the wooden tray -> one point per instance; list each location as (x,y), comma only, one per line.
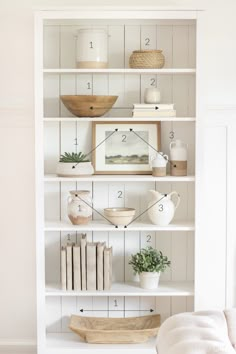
(115,330)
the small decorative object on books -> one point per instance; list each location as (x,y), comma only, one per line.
(127,147)
(88,105)
(149,264)
(178,158)
(152,95)
(115,330)
(79,207)
(159,165)
(86,266)
(74,165)
(147,59)
(161,209)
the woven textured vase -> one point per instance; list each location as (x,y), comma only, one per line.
(147,59)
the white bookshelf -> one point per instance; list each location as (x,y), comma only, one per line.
(57,131)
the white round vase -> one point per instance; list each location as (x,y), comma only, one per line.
(67,169)
(149,280)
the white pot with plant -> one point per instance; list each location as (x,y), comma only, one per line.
(73,165)
(149,264)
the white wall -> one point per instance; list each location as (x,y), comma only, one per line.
(17,243)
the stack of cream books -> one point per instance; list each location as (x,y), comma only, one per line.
(146,110)
(86,266)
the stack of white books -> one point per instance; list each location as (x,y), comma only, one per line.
(86,266)
(143,110)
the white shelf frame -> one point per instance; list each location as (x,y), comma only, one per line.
(119,119)
(170,288)
(105,226)
(119,178)
(121,71)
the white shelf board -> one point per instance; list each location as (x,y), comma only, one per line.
(120,71)
(105,226)
(67,343)
(119,119)
(118,178)
(170,288)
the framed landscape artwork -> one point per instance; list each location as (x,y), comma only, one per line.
(125,147)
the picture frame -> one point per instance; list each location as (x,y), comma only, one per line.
(125,147)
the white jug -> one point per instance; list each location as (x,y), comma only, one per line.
(159,165)
(162,208)
(178,158)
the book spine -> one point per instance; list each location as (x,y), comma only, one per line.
(153,106)
(63,268)
(163,113)
(76,268)
(69,284)
(91,266)
(100,266)
(107,268)
(83,261)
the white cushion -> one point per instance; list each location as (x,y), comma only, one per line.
(202,332)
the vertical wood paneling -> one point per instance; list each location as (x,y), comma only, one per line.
(116,195)
(68,137)
(100,303)
(68,307)
(178,304)
(85,303)
(51,104)
(52,258)
(132,41)
(51,151)
(116,45)
(116,88)
(180,94)
(179,256)
(192,46)
(100,199)
(66,187)
(164,244)
(147,303)
(100,84)
(132,304)
(84,84)
(53,314)
(148,239)
(132,92)
(132,245)
(148,37)
(68,46)
(84,138)
(165,43)
(51,45)
(116,306)
(163,307)
(180,46)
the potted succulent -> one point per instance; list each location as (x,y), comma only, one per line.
(149,263)
(73,165)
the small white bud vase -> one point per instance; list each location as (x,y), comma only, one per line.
(178,158)
(78,207)
(159,163)
(162,208)
(149,280)
(152,95)
(92,50)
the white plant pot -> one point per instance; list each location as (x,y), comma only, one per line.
(149,280)
(65,169)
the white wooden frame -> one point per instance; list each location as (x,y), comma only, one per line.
(88,13)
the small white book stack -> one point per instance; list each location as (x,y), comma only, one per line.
(86,266)
(145,110)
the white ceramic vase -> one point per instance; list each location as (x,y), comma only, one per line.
(67,169)
(79,207)
(149,280)
(162,208)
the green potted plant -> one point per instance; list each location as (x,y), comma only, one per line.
(149,264)
(73,165)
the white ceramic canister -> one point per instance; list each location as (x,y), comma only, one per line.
(92,47)
(159,165)
(72,169)
(152,95)
(178,158)
(149,280)
(78,207)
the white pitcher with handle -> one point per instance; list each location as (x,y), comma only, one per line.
(162,208)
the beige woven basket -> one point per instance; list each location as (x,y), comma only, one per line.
(147,59)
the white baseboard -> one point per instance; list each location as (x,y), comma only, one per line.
(16,347)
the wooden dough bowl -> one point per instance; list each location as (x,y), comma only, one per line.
(88,105)
(115,330)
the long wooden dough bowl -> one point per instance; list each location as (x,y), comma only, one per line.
(115,330)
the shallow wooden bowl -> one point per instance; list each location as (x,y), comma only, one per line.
(115,330)
(88,105)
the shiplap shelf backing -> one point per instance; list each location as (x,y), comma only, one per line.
(63,132)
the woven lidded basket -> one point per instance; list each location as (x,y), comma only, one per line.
(151,59)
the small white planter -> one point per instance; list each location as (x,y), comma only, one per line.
(67,169)
(149,280)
